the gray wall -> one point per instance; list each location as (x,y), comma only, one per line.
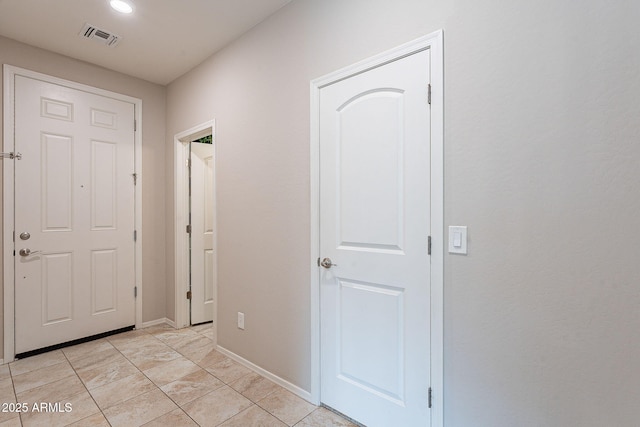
(153,134)
(542,164)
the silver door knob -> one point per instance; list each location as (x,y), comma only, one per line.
(27,252)
(326,263)
(25,235)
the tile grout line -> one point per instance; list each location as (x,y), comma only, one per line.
(269,412)
(185,412)
(236,414)
(101,410)
(174,347)
(145,375)
(252,402)
(15,394)
(160,388)
(179,344)
(199,366)
(42,385)
(85,387)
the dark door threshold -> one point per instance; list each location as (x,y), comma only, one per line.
(202,323)
(74,342)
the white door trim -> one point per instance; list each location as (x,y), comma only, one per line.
(8,192)
(434,42)
(181,212)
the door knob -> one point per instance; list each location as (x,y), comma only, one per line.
(326,263)
(25,235)
(27,252)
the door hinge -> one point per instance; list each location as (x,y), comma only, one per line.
(318,262)
(188,294)
(429,94)
(135,292)
(135,235)
(135,125)
(11,155)
(429,245)
(430,397)
(135,178)
(188,163)
(189,229)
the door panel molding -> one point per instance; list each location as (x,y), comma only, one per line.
(433,42)
(59,111)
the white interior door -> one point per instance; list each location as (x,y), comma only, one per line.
(202,229)
(74,214)
(374,228)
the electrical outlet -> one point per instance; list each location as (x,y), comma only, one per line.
(240,320)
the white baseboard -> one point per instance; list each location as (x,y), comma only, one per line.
(156,322)
(276,379)
(1,361)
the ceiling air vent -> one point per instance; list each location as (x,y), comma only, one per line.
(103,36)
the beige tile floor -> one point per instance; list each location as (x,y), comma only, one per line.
(157,376)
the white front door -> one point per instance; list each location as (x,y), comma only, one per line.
(202,228)
(74,214)
(374,227)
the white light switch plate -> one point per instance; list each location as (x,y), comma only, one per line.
(458,239)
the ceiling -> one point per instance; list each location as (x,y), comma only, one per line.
(159,42)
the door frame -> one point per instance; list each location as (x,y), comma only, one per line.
(181,213)
(8,205)
(433,42)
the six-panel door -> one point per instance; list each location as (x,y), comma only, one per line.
(202,223)
(74,195)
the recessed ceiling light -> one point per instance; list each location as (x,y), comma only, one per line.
(121,6)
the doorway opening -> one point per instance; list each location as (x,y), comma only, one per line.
(80,244)
(195,222)
(377,237)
